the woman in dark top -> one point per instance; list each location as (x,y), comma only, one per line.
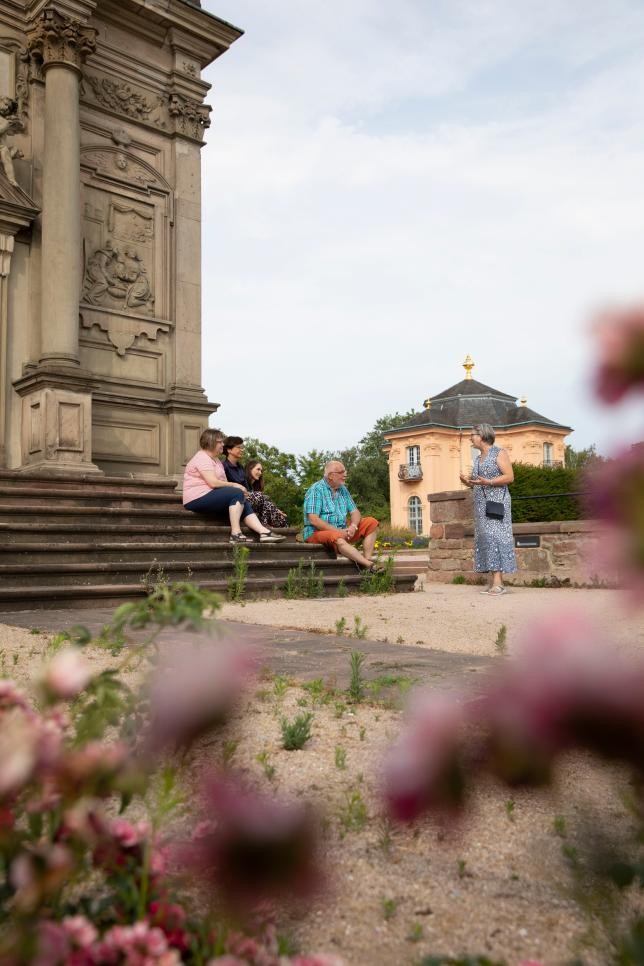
(233,455)
(263,507)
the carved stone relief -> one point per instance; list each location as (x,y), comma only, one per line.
(171,112)
(9,124)
(190,117)
(126,99)
(122,330)
(114,164)
(116,277)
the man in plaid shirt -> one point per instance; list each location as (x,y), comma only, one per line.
(327,504)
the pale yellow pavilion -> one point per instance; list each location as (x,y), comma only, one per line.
(428,454)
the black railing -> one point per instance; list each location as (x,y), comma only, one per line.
(545,507)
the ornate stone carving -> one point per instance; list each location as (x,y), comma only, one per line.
(122,330)
(10,123)
(56,39)
(190,117)
(190,68)
(117,278)
(126,99)
(114,164)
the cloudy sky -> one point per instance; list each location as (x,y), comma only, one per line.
(390,187)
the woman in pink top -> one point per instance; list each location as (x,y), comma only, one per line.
(206,490)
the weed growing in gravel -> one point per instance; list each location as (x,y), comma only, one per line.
(341,590)
(237,583)
(458,579)
(318,691)
(35,630)
(281,685)
(384,836)
(383,681)
(559,826)
(357,682)
(359,629)
(362,733)
(297,732)
(500,644)
(415,933)
(263,759)
(341,626)
(461,868)
(228,751)
(340,757)
(509,808)
(400,639)
(339,707)
(389,907)
(353,813)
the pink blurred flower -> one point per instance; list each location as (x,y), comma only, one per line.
(81,932)
(258,849)
(317,959)
(19,738)
(137,945)
(617,496)
(97,769)
(424,769)
(170,918)
(12,697)
(620,350)
(66,675)
(195,689)
(38,873)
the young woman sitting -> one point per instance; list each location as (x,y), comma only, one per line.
(269,514)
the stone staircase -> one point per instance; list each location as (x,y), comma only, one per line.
(82,542)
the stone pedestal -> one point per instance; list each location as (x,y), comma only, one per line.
(100,323)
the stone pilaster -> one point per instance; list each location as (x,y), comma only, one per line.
(56,394)
(61,44)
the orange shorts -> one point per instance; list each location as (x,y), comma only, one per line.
(367,525)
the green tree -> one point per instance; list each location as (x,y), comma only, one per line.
(578,459)
(281,481)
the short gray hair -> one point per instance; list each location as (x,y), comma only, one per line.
(485,431)
(329,464)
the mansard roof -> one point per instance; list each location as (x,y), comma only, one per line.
(469,402)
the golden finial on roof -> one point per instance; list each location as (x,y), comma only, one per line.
(468,365)
(523,401)
(427,404)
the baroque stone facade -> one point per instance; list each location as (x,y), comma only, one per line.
(102,119)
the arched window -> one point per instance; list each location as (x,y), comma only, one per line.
(415,511)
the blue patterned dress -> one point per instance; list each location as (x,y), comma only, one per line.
(493,539)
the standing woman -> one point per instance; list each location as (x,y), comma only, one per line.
(206,490)
(493,539)
(269,514)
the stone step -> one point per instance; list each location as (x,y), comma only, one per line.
(87,482)
(22,533)
(137,571)
(52,597)
(41,551)
(13,497)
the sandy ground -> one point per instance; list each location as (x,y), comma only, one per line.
(448,617)
(497,884)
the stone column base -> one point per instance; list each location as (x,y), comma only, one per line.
(56,425)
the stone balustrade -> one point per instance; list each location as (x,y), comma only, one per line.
(565,549)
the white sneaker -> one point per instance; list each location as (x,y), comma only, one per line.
(271,538)
(496,591)
(486,591)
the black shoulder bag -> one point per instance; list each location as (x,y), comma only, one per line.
(493,508)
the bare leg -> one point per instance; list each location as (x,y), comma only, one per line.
(368,544)
(351,553)
(497,578)
(235,512)
(253,523)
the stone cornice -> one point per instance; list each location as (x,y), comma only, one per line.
(80,10)
(207,36)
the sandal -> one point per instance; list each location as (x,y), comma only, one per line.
(375,568)
(238,538)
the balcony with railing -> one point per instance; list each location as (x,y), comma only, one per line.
(410,472)
(552,464)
